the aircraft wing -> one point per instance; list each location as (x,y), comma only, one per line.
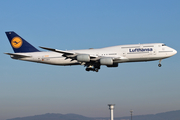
(72,55)
(66,54)
(59,51)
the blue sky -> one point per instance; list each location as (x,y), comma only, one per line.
(29,88)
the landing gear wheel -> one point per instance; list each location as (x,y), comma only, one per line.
(159,65)
(96,69)
(87,69)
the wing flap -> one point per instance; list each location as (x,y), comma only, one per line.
(59,51)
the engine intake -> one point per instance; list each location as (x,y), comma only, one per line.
(106,61)
(83,58)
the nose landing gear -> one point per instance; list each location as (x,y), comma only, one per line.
(159,63)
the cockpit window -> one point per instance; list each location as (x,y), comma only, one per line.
(163,44)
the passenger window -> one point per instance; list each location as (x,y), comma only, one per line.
(163,44)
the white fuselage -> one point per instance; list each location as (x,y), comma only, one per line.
(126,53)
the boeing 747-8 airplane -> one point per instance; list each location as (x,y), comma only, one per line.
(92,59)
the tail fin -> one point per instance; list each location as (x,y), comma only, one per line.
(18,44)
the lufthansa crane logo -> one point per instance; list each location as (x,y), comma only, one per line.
(16,42)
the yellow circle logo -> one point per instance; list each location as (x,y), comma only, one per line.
(16,42)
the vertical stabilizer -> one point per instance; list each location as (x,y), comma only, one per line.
(18,44)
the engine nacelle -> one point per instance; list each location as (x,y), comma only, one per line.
(83,58)
(114,65)
(106,61)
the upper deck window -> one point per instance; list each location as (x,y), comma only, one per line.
(163,44)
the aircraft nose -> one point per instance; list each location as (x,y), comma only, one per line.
(174,51)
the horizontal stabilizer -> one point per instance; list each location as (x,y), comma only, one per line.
(17,55)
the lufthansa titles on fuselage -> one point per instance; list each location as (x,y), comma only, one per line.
(141,50)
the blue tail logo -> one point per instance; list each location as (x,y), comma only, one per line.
(18,44)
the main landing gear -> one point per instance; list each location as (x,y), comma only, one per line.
(93,68)
(159,63)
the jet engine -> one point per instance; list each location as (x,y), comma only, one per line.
(106,61)
(83,58)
